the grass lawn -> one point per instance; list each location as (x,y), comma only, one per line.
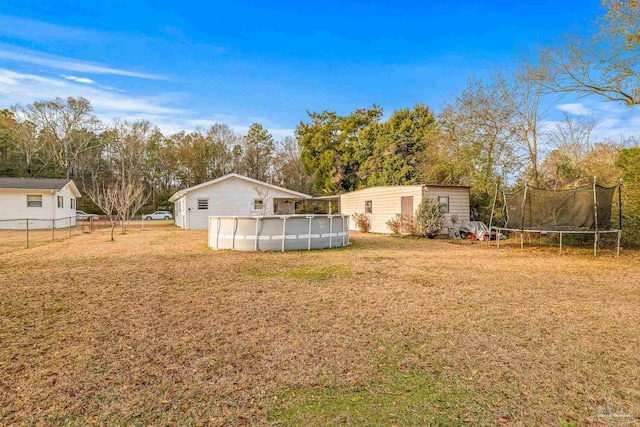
(156,329)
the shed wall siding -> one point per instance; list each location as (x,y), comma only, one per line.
(385,204)
(459,203)
(231,197)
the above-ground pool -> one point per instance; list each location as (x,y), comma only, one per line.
(278,233)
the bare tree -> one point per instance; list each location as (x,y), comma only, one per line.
(572,136)
(264,194)
(288,168)
(127,149)
(130,198)
(524,95)
(607,64)
(571,141)
(105,196)
(66,127)
(120,201)
(29,144)
(479,123)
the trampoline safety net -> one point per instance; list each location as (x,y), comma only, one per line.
(559,210)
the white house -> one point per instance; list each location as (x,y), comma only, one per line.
(45,203)
(385,202)
(232,195)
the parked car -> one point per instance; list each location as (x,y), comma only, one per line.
(82,215)
(157,215)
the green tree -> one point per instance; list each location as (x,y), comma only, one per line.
(629,163)
(257,156)
(392,151)
(331,151)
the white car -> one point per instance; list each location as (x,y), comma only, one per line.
(158,215)
(83,215)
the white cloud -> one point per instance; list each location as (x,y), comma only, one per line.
(84,80)
(578,109)
(68,64)
(26,88)
(21,88)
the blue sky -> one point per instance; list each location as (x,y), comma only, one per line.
(189,64)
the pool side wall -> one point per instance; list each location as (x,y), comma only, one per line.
(278,233)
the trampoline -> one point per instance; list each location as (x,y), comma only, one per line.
(581,210)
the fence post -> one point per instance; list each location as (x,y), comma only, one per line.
(27,233)
(53,230)
(69,226)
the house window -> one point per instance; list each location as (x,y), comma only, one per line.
(258,204)
(73,203)
(444,203)
(60,202)
(34,201)
(203,204)
(368,206)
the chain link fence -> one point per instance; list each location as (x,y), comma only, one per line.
(24,233)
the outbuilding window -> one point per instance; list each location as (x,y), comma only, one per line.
(60,202)
(258,204)
(73,203)
(368,206)
(203,204)
(34,201)
(444,203)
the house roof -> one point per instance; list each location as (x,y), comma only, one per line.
(37,184)
(182,193)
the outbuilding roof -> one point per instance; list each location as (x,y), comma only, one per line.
(182,193)
(37,184)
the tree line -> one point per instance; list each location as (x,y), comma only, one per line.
(496,128)
(62,138)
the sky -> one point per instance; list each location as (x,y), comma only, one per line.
(189,64)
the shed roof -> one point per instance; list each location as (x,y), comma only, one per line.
(34,183)
(407,186)
(182,193)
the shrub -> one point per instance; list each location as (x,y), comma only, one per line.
(395,225)
(429,219)
(408,225)
(363,222)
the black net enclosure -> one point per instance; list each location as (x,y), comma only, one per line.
(531,208)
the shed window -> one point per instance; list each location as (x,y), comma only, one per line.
(258,204)
(73,203)
(60,202)
(34,201)
(368,206)
(444,203)
(203,204)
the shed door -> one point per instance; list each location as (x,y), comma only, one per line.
(406,210)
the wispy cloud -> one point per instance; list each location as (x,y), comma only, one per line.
(67,64)
(25,88)
(615,123)
(84,80)
(578,109)
(109,103)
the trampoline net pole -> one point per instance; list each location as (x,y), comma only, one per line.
(595,218)
(493,208)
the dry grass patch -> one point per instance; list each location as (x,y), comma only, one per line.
(157,329)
